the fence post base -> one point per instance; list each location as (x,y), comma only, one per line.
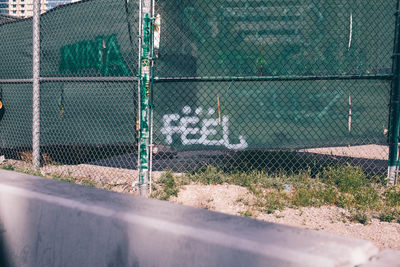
(143,190)
(391,175)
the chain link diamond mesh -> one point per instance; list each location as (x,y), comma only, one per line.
(274,85)
(271,85)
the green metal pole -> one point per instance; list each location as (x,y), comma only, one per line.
(144,87)
(394,118)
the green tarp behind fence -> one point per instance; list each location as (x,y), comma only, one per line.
(218,39)
(209,38)
(87,39)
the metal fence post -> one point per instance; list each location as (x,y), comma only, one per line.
(144,92)
(36,86)
(394,113)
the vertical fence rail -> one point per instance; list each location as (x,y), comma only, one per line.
(36,86)
(144,88)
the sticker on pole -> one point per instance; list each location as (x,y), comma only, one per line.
(157,34)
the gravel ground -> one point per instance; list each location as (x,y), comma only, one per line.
(231,199)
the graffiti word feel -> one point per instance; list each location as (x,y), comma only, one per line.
(101,55)
(196,131)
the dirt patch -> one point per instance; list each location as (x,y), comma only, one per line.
(114,179)
(365,151)
(335,220)
(225,198)
(234,200)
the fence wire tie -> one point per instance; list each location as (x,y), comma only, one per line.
(351,29)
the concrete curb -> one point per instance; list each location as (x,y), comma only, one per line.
(49,223)
(387,257)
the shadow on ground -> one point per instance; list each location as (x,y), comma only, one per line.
(125,156)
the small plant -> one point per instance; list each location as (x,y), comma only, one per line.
(270,200)
(62,179)
(367,197)
(347,178)
(86,182)
(360,217)
(392,196)
(329,195)
(167,187)
(108,187)
(207,204)
(345,200)
(304,197)
(153,187)
(59,177)
(344,186)
(379,179)
(387,216)
(246,213)
(242,200)
(239,200)
(8,167)
(208,175)
(67,180)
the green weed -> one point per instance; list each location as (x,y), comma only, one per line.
(88,183)
(305,197)
(8,167)
(392,196)
(387,215)
(208,175)
(61,178)
(346,178)
(167,187)
(360,217)
(345,186)
(270,200)
(246,213)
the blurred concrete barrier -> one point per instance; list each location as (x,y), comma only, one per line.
(49,223)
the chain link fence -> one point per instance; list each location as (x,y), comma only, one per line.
(274,85)
(242,85)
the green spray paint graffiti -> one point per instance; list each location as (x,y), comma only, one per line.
(101,55)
